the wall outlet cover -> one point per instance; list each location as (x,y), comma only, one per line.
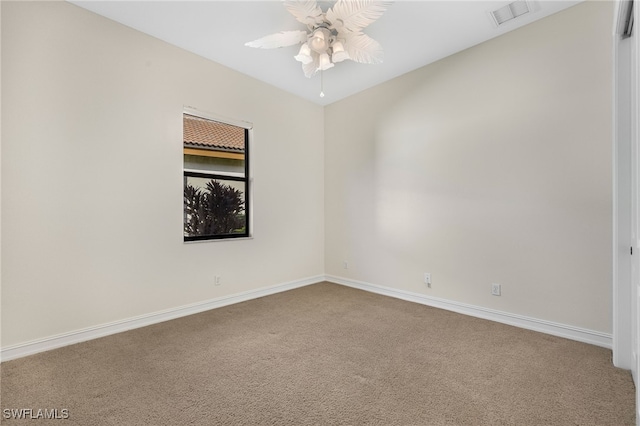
(496,289)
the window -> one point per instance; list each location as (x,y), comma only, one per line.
(216,178)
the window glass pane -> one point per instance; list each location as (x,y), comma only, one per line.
(216,181)
(214,207)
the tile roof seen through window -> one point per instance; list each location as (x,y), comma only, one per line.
(209,134)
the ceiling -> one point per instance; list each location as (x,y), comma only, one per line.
(413,33)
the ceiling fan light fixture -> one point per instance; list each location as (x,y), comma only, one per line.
(332,36)
(339,54)
(304,54)
(319,41)
(325,62)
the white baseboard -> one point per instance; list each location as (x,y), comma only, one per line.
(77,336)
(562,330)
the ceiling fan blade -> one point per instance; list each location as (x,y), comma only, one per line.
(362,48)
(354,15)
(281,39)
(306,11)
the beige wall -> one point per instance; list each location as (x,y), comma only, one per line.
(490,166)
(493,165)
(92,175)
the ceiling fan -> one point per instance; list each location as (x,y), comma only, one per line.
(333,36)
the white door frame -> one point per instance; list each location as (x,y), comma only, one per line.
(624,319)
(626,196)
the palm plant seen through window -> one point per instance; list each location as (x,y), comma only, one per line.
(216,179)
(216,210)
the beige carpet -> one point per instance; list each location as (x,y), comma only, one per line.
(324,355)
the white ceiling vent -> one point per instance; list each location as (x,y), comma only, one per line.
(510,12)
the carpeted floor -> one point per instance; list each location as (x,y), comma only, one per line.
(323,355)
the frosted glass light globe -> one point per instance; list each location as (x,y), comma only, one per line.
(319,41)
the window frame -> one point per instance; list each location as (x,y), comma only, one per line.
(247,179)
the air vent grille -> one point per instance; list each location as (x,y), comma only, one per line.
(510,11)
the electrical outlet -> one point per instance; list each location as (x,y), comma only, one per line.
(427,279)
(216,280)
(496,289)
(345,265)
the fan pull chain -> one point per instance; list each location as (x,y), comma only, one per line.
(321,84)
